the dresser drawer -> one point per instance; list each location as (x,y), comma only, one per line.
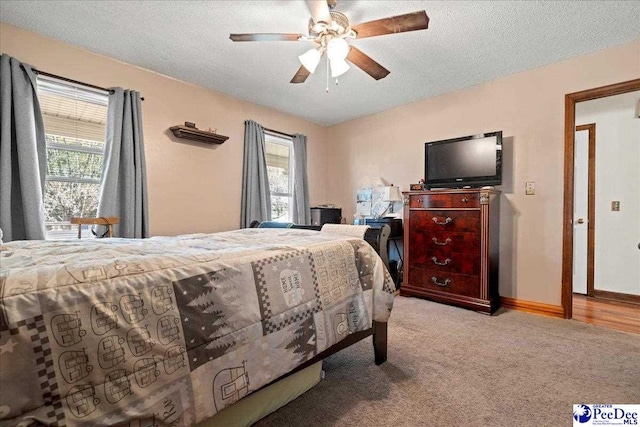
(453,283)
(444,260)
(458,200)
(431,240)
(458,221)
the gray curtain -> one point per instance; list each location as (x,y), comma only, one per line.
(23,153)
(123,191)
(256,198)
(301,208)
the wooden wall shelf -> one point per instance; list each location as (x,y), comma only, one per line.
(193,134)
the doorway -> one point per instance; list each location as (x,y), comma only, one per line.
(584,218)
(570,220)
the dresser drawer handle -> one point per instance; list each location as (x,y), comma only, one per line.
(445,243)
(465,200)
(434,279)
(445,222)
(445,262)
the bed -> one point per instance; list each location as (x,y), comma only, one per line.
(171,330)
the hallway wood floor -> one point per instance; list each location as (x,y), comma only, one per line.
(621,316)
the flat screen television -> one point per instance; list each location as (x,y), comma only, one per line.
(470,161)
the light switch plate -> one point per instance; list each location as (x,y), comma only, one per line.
(615,206)
(530,188)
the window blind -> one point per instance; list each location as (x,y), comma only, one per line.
(72,112)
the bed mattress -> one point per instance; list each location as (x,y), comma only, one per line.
(171,330)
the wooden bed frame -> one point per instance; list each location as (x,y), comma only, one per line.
(379,332)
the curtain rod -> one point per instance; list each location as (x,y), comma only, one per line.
(278,132)
(75,81)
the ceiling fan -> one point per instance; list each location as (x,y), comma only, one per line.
(330,29)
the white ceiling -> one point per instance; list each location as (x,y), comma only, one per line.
(467,43)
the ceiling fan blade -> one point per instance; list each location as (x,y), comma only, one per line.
(395,24)
(319,11)
(301,75)
(265,37)
(366,64)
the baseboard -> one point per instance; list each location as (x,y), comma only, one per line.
(616,296)
(532,307)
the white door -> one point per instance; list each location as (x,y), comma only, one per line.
(580,210)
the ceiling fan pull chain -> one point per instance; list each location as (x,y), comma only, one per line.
(327,73)
(336,81)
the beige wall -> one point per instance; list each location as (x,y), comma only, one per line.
(193,187)
(529,108)
(196,187)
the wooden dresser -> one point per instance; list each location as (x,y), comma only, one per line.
(451,240)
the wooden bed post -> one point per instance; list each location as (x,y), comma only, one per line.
(380,342)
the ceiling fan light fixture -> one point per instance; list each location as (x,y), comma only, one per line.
(329,29)
(338,67)
(339,22)
(310,59)
(337,48)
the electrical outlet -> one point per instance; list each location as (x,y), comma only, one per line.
(615,206)
(530,188)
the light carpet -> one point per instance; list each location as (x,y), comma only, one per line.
(448,367)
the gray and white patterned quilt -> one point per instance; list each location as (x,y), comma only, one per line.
(168,331)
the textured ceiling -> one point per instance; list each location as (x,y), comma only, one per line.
(467,43)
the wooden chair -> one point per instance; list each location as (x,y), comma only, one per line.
(107,221)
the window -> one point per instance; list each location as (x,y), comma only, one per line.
(280,170)
(74,124)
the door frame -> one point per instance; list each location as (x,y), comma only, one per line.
(570,101)
(591,205)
